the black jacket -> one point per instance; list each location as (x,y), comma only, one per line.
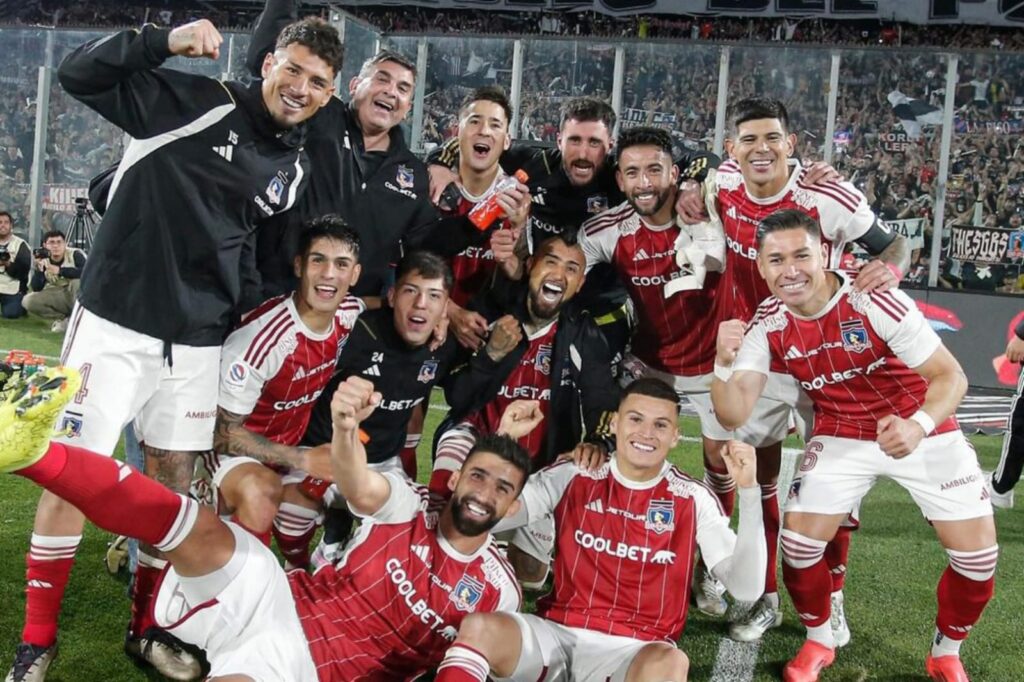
(205,165)
(389,207)
(584,394)
(405,376)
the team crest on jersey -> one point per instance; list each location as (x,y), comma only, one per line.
(404,177)
(661,515)
(467,593)
(238,372)
(428,372)
(71,425)
(543,361)
(855,336)
(597,203)
(275,189)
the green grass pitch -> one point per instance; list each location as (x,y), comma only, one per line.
(894,565)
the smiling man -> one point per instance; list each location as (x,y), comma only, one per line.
(207,162)
(540,347)
(885,391)
(626,535)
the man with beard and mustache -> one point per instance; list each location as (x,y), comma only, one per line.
(541,347)
(387,611)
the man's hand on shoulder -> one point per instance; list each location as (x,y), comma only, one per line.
(196,39)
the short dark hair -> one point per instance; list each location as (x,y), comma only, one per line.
(53,233)
(320,37)
(504,447)
(329,226)
(489,93)
(387,56)
(9,216)
(653,388)
(756,108)
(428,265)
(587,109)
(570,236)
(645,136)
(787,219)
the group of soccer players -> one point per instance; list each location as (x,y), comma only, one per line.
(565,334)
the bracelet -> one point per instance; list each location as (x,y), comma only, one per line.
(722,373)
(925,420)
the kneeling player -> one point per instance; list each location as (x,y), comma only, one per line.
(388,610)
(626,536)
(885,391)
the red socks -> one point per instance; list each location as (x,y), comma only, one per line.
(462,664)
(836,555)
(770,514)
(721,484)
(48,567)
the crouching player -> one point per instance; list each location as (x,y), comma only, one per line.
(885,391)
(626,535)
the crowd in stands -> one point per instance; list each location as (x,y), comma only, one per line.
(663,84)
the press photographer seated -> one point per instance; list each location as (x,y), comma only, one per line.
(55,276)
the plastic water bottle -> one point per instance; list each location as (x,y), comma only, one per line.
(488,210)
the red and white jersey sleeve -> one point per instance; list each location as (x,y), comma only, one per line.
(393,604)
(273,367)
(625,550)
(902,325)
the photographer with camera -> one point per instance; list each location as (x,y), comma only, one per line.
(15,264)
(55,279)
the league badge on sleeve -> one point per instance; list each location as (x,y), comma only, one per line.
(467,593)
(236,376)
(661,516)
(404,178)
(855,336)
(428,372)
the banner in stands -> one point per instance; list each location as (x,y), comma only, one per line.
(896,142)
(979,244)
(646,117)
(62,197)
(1002,13)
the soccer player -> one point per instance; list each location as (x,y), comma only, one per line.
(626,537)
(394,347)
(760,178)
(540,347)
(387,611)
(1011,457)
(885,391)
(273,369)
(363,170)
(207,161)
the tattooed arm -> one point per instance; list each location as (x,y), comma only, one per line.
(230,437)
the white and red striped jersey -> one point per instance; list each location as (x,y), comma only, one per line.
(625,550)
(839,207)
(675,334)
(274,367)
(473,267)
(393,604)
(530,380)
(854,358)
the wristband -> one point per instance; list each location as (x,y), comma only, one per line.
(895,271)
(925,420)
(722,373)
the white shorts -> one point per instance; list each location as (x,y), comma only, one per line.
(125,377)
(942,475)
(211,469)
(768,424)
(567,653)
(536,539)
(251,628)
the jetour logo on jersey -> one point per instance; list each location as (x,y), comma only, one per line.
(660,516)
(467,593)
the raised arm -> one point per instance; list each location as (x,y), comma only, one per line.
(276,15)
(365,490)
(734,393)
(232,438)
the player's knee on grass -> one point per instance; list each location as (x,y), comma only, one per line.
(658,662)
(530,571)
(253,493)
(496,636)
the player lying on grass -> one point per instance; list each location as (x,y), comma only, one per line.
(387,611)
(626,534)
(885,391)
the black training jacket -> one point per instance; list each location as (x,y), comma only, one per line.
(205,165)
